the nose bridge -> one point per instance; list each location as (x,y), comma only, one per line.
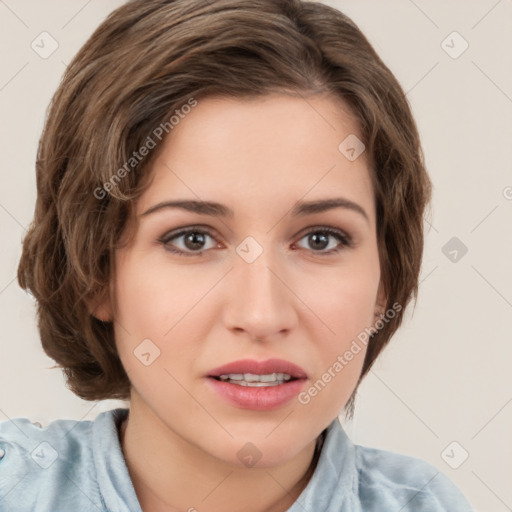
(261,303)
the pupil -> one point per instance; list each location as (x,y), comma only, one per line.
(322,238)
(196,240)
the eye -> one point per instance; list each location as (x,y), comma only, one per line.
(194,241)
(318,239)
(322,240)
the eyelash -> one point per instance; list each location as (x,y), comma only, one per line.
(345,241)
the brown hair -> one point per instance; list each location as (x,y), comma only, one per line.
(149,58)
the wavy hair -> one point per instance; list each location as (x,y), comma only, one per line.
(147,59)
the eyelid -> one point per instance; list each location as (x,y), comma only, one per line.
(325,228)
(185,230)
(344,239)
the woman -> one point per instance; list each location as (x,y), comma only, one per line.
(228,230)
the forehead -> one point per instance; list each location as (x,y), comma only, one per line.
(261,152)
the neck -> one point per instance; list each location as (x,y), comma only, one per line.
(164,472)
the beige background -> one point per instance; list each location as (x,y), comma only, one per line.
(446,375)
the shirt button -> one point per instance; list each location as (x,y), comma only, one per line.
(2,453)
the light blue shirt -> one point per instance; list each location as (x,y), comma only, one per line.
(78,466)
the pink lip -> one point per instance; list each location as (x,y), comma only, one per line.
(258,398)
(260,368)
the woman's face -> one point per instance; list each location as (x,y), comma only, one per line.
(249,272)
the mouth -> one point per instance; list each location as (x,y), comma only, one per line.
(254,380)
(258,385)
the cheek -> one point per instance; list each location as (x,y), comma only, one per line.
(344,302)
(350,307)
(144,311)
(349,313)
(344,299)
(347,307)
(160,303)
(153,296)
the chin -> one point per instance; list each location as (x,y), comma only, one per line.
(259,451)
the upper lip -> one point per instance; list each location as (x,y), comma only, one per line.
(259,368)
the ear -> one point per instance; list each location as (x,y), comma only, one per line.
(100,306)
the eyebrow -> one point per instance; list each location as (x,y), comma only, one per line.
(301,208)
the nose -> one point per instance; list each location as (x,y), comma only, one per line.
(260,303)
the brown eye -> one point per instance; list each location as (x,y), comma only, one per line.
(326,240)
(193,241)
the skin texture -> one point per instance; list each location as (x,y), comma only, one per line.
(258,157)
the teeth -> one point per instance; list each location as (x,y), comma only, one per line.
(251,379)
(232,376)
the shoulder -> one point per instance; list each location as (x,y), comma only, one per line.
(45,466)
(409,483)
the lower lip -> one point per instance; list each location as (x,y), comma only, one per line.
(258,398)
